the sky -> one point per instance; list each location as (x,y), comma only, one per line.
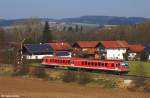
(14,9)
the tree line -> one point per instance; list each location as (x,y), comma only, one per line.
(139,33)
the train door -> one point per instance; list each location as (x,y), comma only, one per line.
(118,66)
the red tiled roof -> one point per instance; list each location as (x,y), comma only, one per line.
(114,44)
(60,46)
(87,44)
(136,48)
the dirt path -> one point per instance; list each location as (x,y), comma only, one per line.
(34,88)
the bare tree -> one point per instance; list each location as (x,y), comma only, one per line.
(29,29)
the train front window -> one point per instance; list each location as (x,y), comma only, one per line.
(124,64)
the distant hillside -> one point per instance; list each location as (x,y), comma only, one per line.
(4,22)
(102,20)
(107,20)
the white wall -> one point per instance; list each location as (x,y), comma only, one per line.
(116,53)
(33,57)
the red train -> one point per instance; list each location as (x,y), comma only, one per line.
(107,65)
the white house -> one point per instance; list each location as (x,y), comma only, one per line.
(36,51)
(114,50)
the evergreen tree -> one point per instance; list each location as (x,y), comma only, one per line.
(47,37)
(76,28)
(81,29)
(70,29)
(144,56)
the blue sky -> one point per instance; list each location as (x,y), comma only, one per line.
(11,9)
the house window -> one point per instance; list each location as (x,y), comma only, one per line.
(113,55)
(36,57)
(132,54)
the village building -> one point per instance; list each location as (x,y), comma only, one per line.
(146,52)
(87,48)
(113,50)
(36,51)
(61,49)
(134,52)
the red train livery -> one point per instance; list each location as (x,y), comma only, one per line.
(107,65)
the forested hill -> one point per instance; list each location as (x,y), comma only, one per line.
(102,20)
(107,20)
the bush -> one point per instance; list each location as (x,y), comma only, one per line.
(107,83)
(84,78)
(38,72)
(21,70)
(69,76)
(140,85)
(81,77)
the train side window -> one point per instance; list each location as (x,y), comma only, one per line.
(82,62)
(65,61)
(88,63)
(102,64)
(85,62)
(68,61)
(106,64)
(72,61)
(92,63)
(99,63)
(95,63)
(46,60)
(112,65)
(59,61)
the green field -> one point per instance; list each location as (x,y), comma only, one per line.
(139,68)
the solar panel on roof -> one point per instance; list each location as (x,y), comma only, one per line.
(39,48)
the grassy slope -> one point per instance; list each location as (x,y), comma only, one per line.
(139,68)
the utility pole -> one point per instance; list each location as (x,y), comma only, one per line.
(21,50)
